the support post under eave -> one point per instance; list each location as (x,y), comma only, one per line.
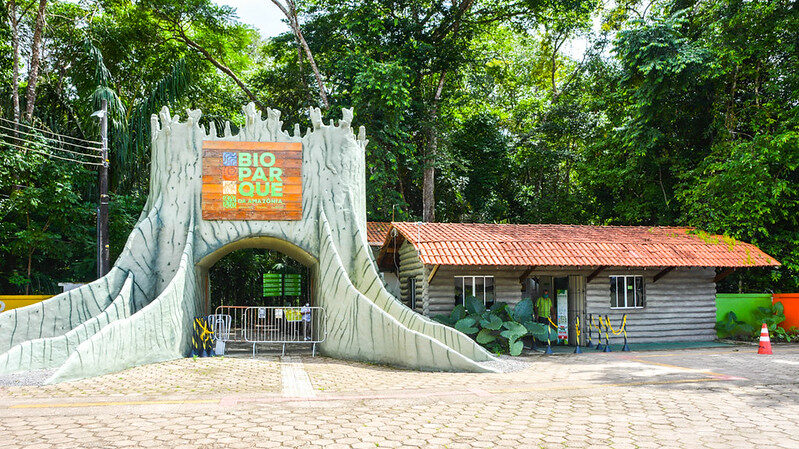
(594,274)
(719,277)
(432,274)
(662,273)
(526,274)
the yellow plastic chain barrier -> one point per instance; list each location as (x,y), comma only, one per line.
(623,327)
(554,326)
(201,322)
(599,327)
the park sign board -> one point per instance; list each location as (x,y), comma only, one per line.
(292,284)
(278,284)
(252,180)
(273,284)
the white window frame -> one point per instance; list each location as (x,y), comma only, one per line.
(473,277)
(627,279)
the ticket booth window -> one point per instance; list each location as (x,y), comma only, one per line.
(481,287)
(626,292)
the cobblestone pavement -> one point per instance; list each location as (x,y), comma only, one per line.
(712,398)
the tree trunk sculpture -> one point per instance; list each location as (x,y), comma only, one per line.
(142,311)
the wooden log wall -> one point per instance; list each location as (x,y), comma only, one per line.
(411,266)
(680,306)
(507,287)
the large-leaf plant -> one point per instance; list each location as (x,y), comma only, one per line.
(772,316)
(500,328)
(732,327)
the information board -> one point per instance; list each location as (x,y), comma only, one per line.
(277,284)
(252,180)
(273,283)
(563,314)
(292,284)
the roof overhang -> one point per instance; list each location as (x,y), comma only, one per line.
(463,244)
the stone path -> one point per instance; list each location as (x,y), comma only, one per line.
(713,398)
(296,382)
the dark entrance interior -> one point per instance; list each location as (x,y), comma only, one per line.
(261,292)
(259,277)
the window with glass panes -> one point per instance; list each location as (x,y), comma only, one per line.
(481,287)
(626,292)
(412,292)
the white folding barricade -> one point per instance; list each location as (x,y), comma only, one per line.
(284,325)
(220,327)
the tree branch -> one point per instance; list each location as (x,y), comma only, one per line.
(290,11)
(448,25)
(222,67)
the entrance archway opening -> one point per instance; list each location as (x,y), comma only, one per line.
(258,277)
(263,291)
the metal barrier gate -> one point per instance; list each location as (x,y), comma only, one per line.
(281,325)
(234,319)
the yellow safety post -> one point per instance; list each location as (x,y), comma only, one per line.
(549,346)
(624,328)
(599,345)
(577,349)
(607,335)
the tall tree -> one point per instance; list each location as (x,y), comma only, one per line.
(35,59)
(13,22)
(431,39)
(289,9)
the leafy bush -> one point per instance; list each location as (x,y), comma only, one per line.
(730,326)
(773,316)
(499,329)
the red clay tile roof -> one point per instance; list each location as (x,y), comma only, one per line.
(376,232)
(567,245)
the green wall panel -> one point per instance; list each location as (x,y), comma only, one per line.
(743,304)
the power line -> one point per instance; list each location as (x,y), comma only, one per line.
(50,132)
(61,142)
(50,147)
(53,155)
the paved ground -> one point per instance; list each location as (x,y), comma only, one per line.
(714,398)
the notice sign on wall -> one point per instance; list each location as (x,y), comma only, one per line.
(252,180)
(563,314)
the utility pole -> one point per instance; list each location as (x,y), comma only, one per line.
(103,253)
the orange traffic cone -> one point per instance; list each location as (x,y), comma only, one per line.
(765,343)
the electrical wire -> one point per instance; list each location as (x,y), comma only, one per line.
(23,141)
(60,142)
(51,132)
(53,155)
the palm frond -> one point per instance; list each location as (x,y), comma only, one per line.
(102,76)
(132,144)
(104,83)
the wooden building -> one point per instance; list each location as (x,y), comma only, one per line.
(663,278)
(376,232)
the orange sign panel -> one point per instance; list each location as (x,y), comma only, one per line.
(252,180)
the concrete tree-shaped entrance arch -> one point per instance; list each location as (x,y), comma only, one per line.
(141,312)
